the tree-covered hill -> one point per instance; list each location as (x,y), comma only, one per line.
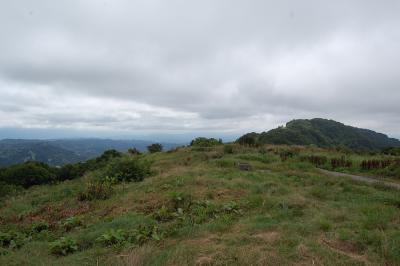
(64,151)
(19,151)
(322,133)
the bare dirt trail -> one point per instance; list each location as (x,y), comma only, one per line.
(366,179)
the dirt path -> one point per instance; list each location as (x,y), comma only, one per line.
(361,178)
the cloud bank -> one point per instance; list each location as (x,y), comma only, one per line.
(229,66)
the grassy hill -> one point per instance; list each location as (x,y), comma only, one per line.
(322,133)
(197,207)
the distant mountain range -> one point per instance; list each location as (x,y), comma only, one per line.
(322,133)
(64,151)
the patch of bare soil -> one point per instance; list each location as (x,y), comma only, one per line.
(203,241)
(346,249)
(149,203)
(268,237)
(204,260)
(52,214)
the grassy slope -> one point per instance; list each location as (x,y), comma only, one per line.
(289,214)
(356,160)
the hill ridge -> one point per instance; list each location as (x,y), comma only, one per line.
(323,133)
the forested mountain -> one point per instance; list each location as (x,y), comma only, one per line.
(64,151)
(322,133)
(19,151)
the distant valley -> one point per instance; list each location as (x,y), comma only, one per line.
(64,151)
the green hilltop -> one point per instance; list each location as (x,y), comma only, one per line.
(322,133)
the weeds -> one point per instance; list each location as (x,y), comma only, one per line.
(138,236)
(63,246)
(96,191)
(13,240)
(374,164)
(228,149)
(72,222)
(128,169)
(113,237)
(39,227)
(340,162)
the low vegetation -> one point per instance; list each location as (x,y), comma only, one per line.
(196,205)
(205,142)
(156,147)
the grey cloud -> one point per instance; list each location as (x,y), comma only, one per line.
(214,65)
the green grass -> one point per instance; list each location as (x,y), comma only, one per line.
(208,212)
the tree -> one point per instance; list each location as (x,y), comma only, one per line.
(134,151)
(29,174)
(156,147)
(205,142)
(249,139)
(109,154)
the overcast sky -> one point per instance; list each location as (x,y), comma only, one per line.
(199,66)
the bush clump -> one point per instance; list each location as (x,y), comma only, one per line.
(139,236)
(113,237)
(155,147)
(6,189)
(250,139)
(134,151)
(205,142)
(228,149)
(96,191)
(72,222)
(314,159)
(63,246)
(127,169)
(13,240)
(28,174)
(39,227)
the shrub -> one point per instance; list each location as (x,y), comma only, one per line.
(340,162)
(224,163)
(163,214)
(128,169)
(134,151)
(250,139)
(69,172)
(205,142)
(144,233)
(63,246)
(13,240)
(180,200)
(29,174)
(6,189)
(284,155)
(96,191)
(108,155)
(324,225)
(138,236)
(39,227)
(263,150)
(228,149)
(375,164)
(231,207)
(72,222)
(113,237)
(316,160)
(391,151)
(156,147)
